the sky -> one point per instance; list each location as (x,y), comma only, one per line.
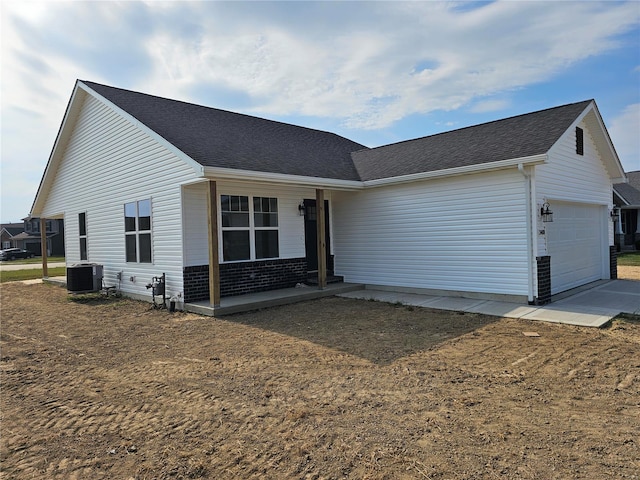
(374,72)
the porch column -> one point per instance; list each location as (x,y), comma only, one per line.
(322,243)
(214,260)
(618,225)
(43,246)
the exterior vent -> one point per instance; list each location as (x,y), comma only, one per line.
(579,141)
(84,277)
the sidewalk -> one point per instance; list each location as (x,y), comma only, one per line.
(593,307)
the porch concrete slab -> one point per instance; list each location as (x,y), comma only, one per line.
(272,298)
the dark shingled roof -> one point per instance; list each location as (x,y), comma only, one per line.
(630,192)
(515,137)
(218,138)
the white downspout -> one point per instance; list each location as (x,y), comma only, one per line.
(530,239)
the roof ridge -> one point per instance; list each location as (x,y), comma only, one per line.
(499,120)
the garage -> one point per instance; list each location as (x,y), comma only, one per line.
(575,243)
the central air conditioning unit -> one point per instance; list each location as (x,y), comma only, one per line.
(84,277)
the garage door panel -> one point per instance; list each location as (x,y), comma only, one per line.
(574,241)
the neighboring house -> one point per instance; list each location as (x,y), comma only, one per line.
(8,233)
(226,204)
(626,197)
(26,235)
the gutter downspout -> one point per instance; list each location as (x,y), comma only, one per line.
(530,240)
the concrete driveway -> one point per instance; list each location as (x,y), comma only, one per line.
(591,306)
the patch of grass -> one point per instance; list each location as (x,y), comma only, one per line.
(30,274)
(30,261)
(629,259)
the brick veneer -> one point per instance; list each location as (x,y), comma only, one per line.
(245,277)
(613,262)
(544,280)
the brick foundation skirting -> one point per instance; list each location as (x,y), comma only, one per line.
(245,277)
(544,280)
(613,262)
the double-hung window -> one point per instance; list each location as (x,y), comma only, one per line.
(265,218)
(82,233)
(249,228)
(137,229)
(235,228)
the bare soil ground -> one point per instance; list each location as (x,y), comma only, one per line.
(327,389)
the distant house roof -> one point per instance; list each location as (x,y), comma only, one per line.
(218,138)
(12,229)
(629,193)
(516,137)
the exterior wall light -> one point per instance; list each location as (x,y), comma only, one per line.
(302,210)
(615,214)
(546,213)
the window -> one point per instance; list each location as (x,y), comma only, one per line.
(579,141)
(265,218)
(82,232)
(249,230)
(235,228)
(137,228)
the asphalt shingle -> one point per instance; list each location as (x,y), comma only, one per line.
(515,137)
(218,138)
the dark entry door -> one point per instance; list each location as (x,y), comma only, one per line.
(311,233)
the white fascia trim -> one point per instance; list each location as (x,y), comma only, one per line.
(248,175)
(198,169)
(483,167)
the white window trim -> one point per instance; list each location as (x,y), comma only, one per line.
(85,236)
(137,231)
(251,229)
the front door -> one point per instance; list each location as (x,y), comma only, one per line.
(311,233)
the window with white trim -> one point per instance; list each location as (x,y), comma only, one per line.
(235,228)
(249,229)
(137,229)
(82,233)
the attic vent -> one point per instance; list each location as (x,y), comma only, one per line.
(579,141)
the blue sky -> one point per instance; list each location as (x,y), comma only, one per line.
(374,72)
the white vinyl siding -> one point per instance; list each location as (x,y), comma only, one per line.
(109,162)
(577,185)
(466,233)
(290,223)
(570,177)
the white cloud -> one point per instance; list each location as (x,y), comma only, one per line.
(624,134)
(365,74)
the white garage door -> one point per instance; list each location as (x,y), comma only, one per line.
(574,241)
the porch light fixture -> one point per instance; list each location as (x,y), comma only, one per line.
(615,214)
(302,210)
(546,213)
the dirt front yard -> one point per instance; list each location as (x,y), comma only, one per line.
(328,389)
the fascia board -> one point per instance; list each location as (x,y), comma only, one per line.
(197,167)
(268,177)
(483,167)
